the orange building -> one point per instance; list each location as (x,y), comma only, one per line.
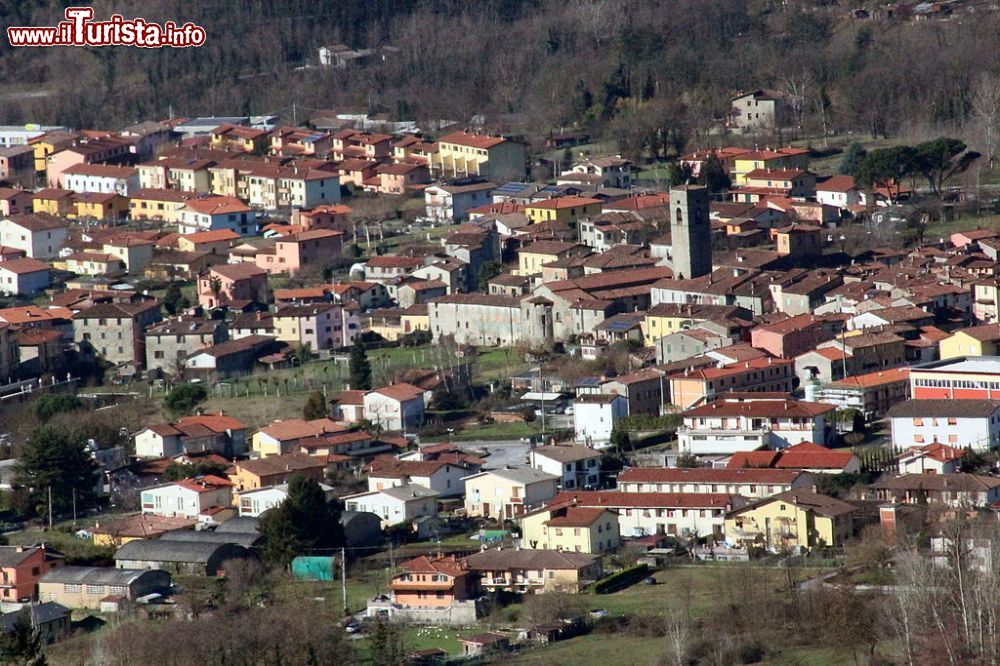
(20,569)
(434,583)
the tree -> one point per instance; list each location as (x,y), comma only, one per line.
(184,397)
(315,407)
(51,404)
(22,645)
(678,173)
(887,167)
(714,175)
(174,300)
(851,162)
(687,460)
(305,521)
(57,459)
(177,471)
(986,112)
(388,644)
(360,369)
(620,439)
(941,159)
(487,272)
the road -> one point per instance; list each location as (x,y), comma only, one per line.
(501,453)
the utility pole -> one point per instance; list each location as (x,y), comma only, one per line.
(343,577)
(50,507)
(74,507)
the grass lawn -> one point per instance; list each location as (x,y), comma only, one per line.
(496,431)
(944,228)
(64,541)
(597,649)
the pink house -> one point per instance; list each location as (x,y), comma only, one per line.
(320,326)
(15,202)
(792,336)
(295,252)
(106,150)
(325,216)
(235,285)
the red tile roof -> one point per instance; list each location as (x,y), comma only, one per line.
(706,475)
(774,409)
(472,140)
(616,499)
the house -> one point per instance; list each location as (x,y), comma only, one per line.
(137,526)
(115,331)
(397,505)
(190,498)
(38,235)
(395,407)
(13,201)
(505,494)
(728,425)
(401,178)
(104,150)
(389,267)
(218,242)
(171,341)
(55,202)
(687,515)
(94,263)
(953,490)
(22,567)
(50,621)
(530,571)
(643,390)
(973,341)
(752,483)
(772,375)
(210,213)
(307,249)
(790,337)
(24,277)
(465,154)
(570,528)
(476,319)
(595,417)
(191,558)
(931,459)
(608,171)
(443,477)
(205,432)
(807,456)
(283,436)
(959,423)
(231,358)
(97,206)
(275,471)
(450,202)
(319,326)
(101,178)
(796,520)
(874,393)
(577,466)
(252,503)
(88,587)
(564,210)
(964,377)
(484,645)
(759,110)
(413,291)
(439,589)
(158,204)
(838,191)
(234,285)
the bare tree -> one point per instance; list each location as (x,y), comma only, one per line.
(986,115)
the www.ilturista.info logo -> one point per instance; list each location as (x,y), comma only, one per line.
(79,30)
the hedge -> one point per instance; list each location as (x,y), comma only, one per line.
(621,579)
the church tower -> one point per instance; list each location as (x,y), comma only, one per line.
(690,232)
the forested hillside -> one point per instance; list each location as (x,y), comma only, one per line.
(651,73)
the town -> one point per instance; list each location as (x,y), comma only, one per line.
(332,386)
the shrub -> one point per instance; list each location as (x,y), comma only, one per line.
(621,579)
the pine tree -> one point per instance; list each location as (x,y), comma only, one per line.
(22,645)
(851,161)
(360,368)
(304,522)
(315,407)
(57,459)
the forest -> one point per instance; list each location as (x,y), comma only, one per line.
(656,76)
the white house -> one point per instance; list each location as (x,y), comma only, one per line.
(207,432)
(444,478)
(101,178)
(23,277)
(645,514)
(958,423)
(252,503)
(395,407)
(395,506)
(451,202)
(753,483)
(188,498)
(38,235)
(218,212)
(507,493)
(728,426)
(576,466)
(838,191)
(595,416)
(931,459)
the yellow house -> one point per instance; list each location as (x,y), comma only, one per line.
(101,206)
(531,258)
(115,533)
(975,341)
(54,201)
(240,137)
(505,494)
(562,209)
(782,158)
(157,204)
(415,318)
(47,144)
(471,154)
(793,520)
(571,528)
